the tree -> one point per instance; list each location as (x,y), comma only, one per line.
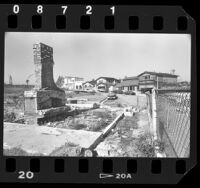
(60,81)
(27,81)
(172,71)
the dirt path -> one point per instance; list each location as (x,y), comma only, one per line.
(97,97)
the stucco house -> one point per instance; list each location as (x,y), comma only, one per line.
(73,83)
(129,84)
(89,85)
(104,83)
(149,80)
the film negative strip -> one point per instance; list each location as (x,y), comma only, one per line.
(97,93)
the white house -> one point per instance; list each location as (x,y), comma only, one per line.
(149,80)
(129,84)
(104,83)
(89,85)
(73,83)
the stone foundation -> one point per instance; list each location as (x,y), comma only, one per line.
(38,100)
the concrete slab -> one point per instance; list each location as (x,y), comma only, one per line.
(41,139)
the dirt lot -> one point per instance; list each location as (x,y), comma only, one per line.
(128,100)
(125,137)
(91,97)
(131,137)
(14,100)
(21,139)
(122,141)
(91,120)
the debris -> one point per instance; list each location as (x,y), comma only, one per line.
(130,111)
(88,153)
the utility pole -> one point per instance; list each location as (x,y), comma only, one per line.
(157,81)
(154,115)
(172,71)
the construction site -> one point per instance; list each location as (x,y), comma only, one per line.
(46,120)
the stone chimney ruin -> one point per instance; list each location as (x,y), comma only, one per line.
(45,94)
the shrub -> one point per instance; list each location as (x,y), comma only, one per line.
(145,145)
(95,105)
(78,126)
(21,121)
(161,145)
(119,105)
(103,115)
(60,81)
(99,125)
(70,95)
(75,124)
(9,116)
(68,149)
(18,101)
(15,152)
(92,92)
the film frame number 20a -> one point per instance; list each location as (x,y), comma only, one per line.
(97,93)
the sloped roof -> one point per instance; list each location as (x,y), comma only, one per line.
(131,78)
(93,82)
(159,74)
(72,77)
(108,78)
(134,82)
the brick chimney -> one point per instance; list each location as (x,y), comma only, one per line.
(43,60)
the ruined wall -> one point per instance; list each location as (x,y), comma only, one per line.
(43,60)
(50,98)
(47,75)
(38,66)
(45,93)
(30,104)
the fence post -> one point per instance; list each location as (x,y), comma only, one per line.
(154,114)
(137,101)
(167,117)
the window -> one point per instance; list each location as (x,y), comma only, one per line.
(147,77)
(101,87)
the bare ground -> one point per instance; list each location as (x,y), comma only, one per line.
(122,141)
(44,140)
(92,120)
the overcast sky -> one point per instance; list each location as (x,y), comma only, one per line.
(90,55)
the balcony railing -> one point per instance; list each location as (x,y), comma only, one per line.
(150,81)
